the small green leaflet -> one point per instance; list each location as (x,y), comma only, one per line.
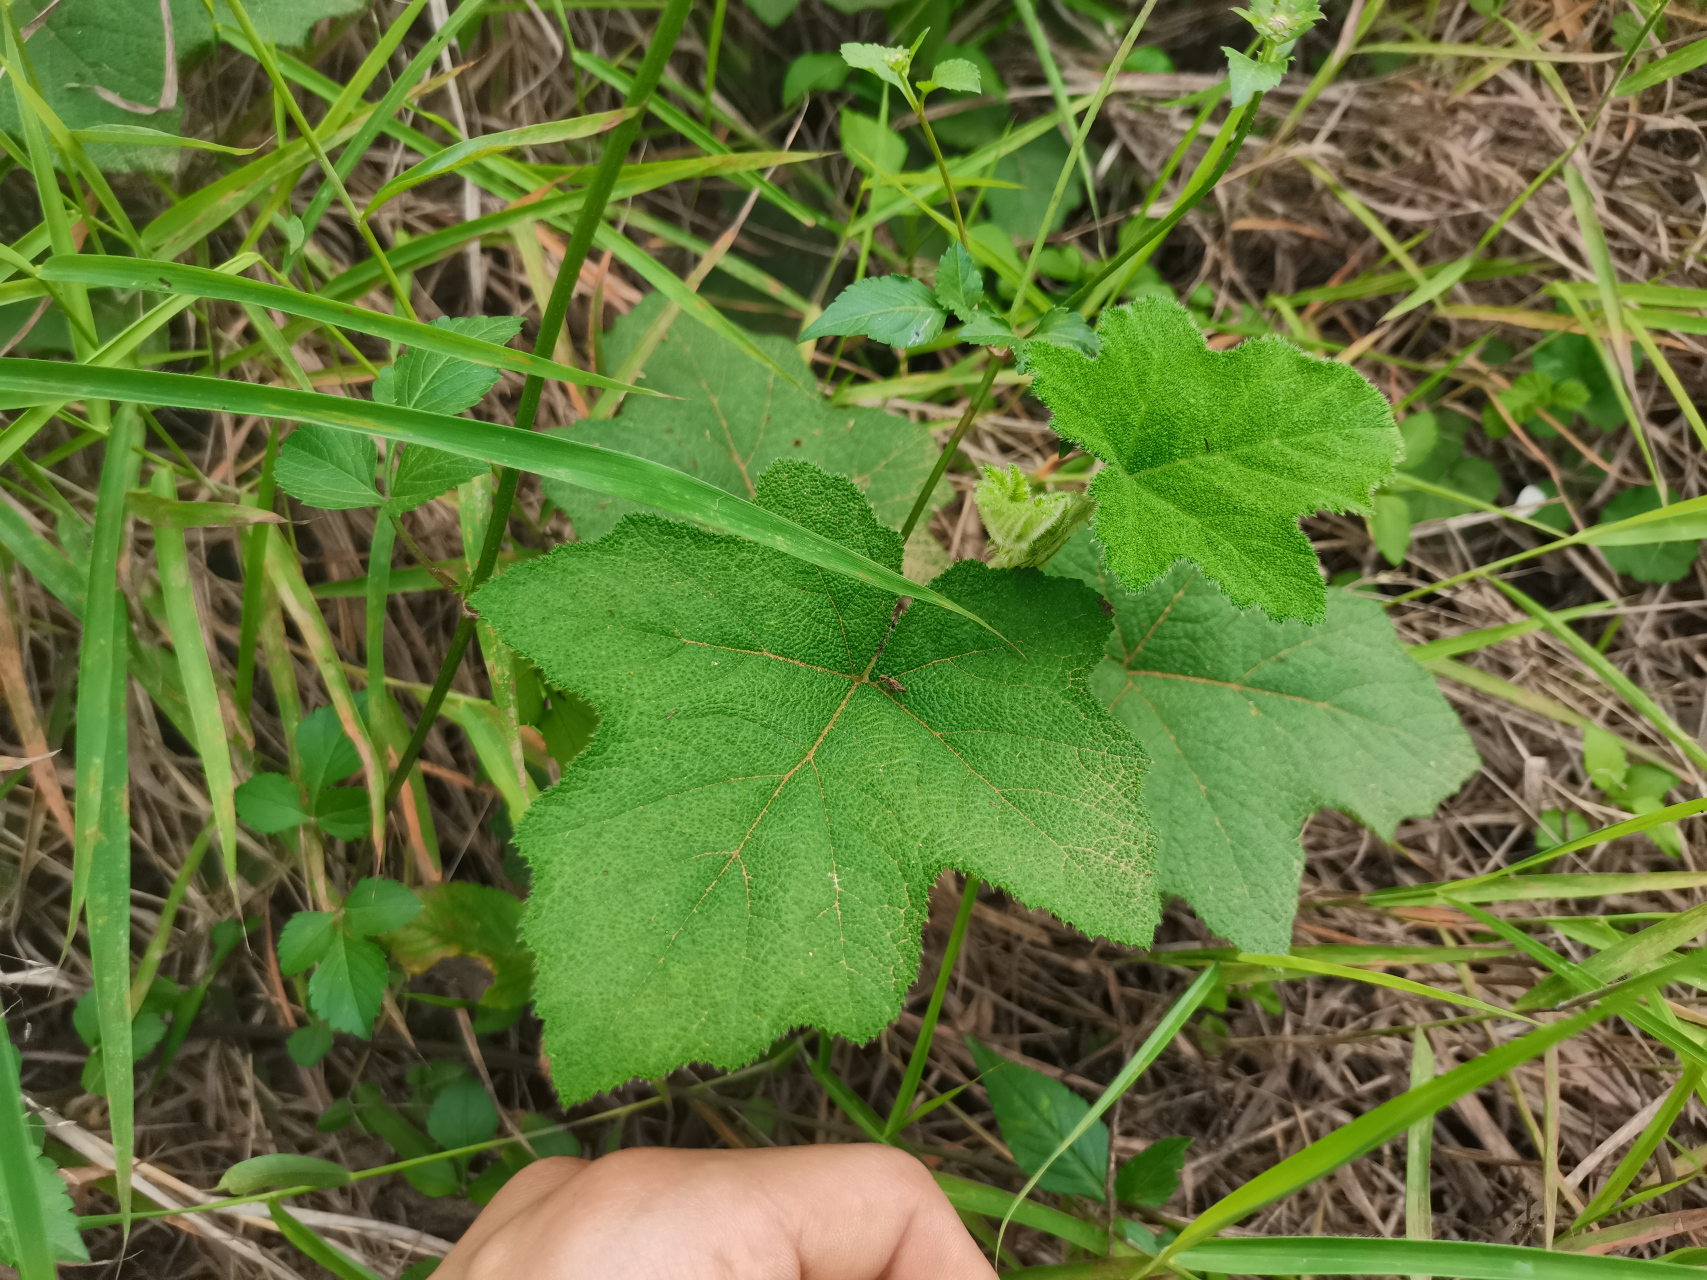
(1212,455)
(1149,1178)
(308,1045)
(872,147)
(348,984)
(959,283)
(1035,1114)
(1246,77)
(270,802)
(1655,562)
(334,470)
(462,1115)
(954,73)
(1060,327)
(813,73)
(350,973)
(1254,725)
(1026,529)
(733,419)
(64,1240)
(891,309)
(778,777)
(884,61)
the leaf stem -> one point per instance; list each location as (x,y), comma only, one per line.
(551,323)
(927,1028)
(961,428)
(918,106)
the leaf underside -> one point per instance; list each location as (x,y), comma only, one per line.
(1253,725)
(1212,455)
(736,417)
(749,842)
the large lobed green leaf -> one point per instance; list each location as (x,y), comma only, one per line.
(1253,725)
(779,776)
(120,46)
(733,419)
(1213,456)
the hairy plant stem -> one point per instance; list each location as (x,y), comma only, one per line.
(927,1027)
(551,323)
(961,428)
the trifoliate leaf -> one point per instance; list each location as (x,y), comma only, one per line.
(872,147)
(348,984)
(957,74)
(281,1170)
(65,1243)
(1151,1177)
(462,919)
(376,905)
(886,62)
(462,1115)
(1063,328)
(342,812)
(270,803)
(327,753)
(1026,529)
(1254,725)
(331,470)
(437,383)
(986,330)
(305,939)
(1654,562)
(959,282)
(1213,456)
(1034,1114)
(748,843)
(813,73)
(306,1047)
(734,418)
(1246,77)
(895,310)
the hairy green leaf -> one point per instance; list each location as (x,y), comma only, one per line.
(331,470)
(270,803)
(1060,327)
(64,1241)
(1213,456)
(1035,1113)
(778,777)
(1026,529)
(733,419)
(1150,1177)
(90,52)
(957,74)
(1254,725)
(896,310)
(1246,77)
(379,906)
(886,62)
(305,939)
(348,983)
(462,919)
(959,282)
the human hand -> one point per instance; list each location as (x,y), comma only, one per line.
(835,1212)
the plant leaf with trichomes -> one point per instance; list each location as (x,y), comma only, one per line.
(1035,1114)
(1213,455)
(895,310)
(733,419)
(1026,529)
(778,778)
(959,282)
(1254,725)
(120,46)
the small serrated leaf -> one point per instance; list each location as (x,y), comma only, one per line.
(956,74)
(895,310)
(462,1115)
(348,984)
(886,62)
(1149,1178)
(307,1046)
(423,474)
(270,803)
(376,905)
(438,383)
(343,812)
(1035,1114)
(986,330)
(305,939)
(1214,455)
(1060,327)
(331,470)
(327,753)
(959,282)
(1246,77)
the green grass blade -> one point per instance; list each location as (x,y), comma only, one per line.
(1148,1052)
(1652,1135)
(1674,64)
(1359,1256)
(333,1259)
(1419,1145)
(1370,1130)
(1546,888)
(200,282)
(189,641)
(1304,965)
(18,1191)
(602,470)
(977,1197)
(101,854)
(460,154)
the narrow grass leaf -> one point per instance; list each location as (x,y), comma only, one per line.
(1419,1144)
(1652,1135)
(602,470)
(189,642)
(1302,965)
(200,282)
(1370,1130)
(19,1197)
(333,1259)
(1365,1256)
(1674,64)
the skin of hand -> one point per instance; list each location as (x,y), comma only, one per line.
(832,1212)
